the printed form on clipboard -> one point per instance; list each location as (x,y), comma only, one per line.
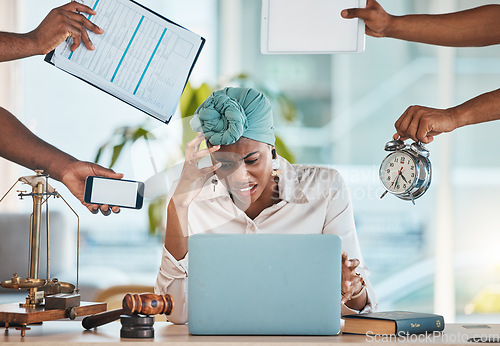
(142,58)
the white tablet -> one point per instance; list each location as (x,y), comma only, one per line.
(310,27)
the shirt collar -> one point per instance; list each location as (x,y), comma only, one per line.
(290,189)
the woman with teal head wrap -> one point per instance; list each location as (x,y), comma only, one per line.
(259,193)
(238,126)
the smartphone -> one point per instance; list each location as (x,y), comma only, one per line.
(114,192)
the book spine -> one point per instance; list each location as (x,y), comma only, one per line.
(420,325)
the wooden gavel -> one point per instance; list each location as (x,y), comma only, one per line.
(144,303)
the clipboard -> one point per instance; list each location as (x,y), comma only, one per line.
(133,90)
(310,27)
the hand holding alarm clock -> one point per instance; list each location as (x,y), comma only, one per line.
(406,171)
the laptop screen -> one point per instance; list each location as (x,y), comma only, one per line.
(264,284)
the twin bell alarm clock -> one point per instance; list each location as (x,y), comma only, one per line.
(406,171)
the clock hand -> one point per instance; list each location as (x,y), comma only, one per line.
(394,181)
(397,178)
(402,176)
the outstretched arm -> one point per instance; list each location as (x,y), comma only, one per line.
(475,27)
(20,145)
(60,23)
(423,123)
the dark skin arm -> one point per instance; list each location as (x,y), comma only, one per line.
(190,184)
(20,145)
(176,234)
(60,23)
(423,123)
(474,27)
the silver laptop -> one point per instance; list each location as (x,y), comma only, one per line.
(266,284)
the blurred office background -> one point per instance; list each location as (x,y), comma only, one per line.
(439,255)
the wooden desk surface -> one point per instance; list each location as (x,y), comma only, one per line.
(55,333)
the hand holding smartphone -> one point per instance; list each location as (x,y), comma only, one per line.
(114,192)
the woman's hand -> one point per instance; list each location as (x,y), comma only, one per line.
(192,177)
(351,283)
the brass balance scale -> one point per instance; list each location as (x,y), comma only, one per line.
(48,299)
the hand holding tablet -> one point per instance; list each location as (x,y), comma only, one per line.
(310,27)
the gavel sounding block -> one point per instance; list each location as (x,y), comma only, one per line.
(137,326)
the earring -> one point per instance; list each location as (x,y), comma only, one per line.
(276,164)
(276,167)
(214,182)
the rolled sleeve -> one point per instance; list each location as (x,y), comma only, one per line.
(172,279)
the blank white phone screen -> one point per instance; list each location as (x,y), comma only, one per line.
(114,192)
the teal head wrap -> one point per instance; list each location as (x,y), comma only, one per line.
(231,113)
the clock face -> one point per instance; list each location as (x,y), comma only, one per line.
(398,172)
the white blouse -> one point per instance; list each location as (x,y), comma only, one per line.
(314,200)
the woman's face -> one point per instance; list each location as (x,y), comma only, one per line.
(246,168)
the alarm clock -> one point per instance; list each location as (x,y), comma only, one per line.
(406,171)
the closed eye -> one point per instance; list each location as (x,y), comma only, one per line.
(251,162)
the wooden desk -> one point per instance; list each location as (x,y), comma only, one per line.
(59,333)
